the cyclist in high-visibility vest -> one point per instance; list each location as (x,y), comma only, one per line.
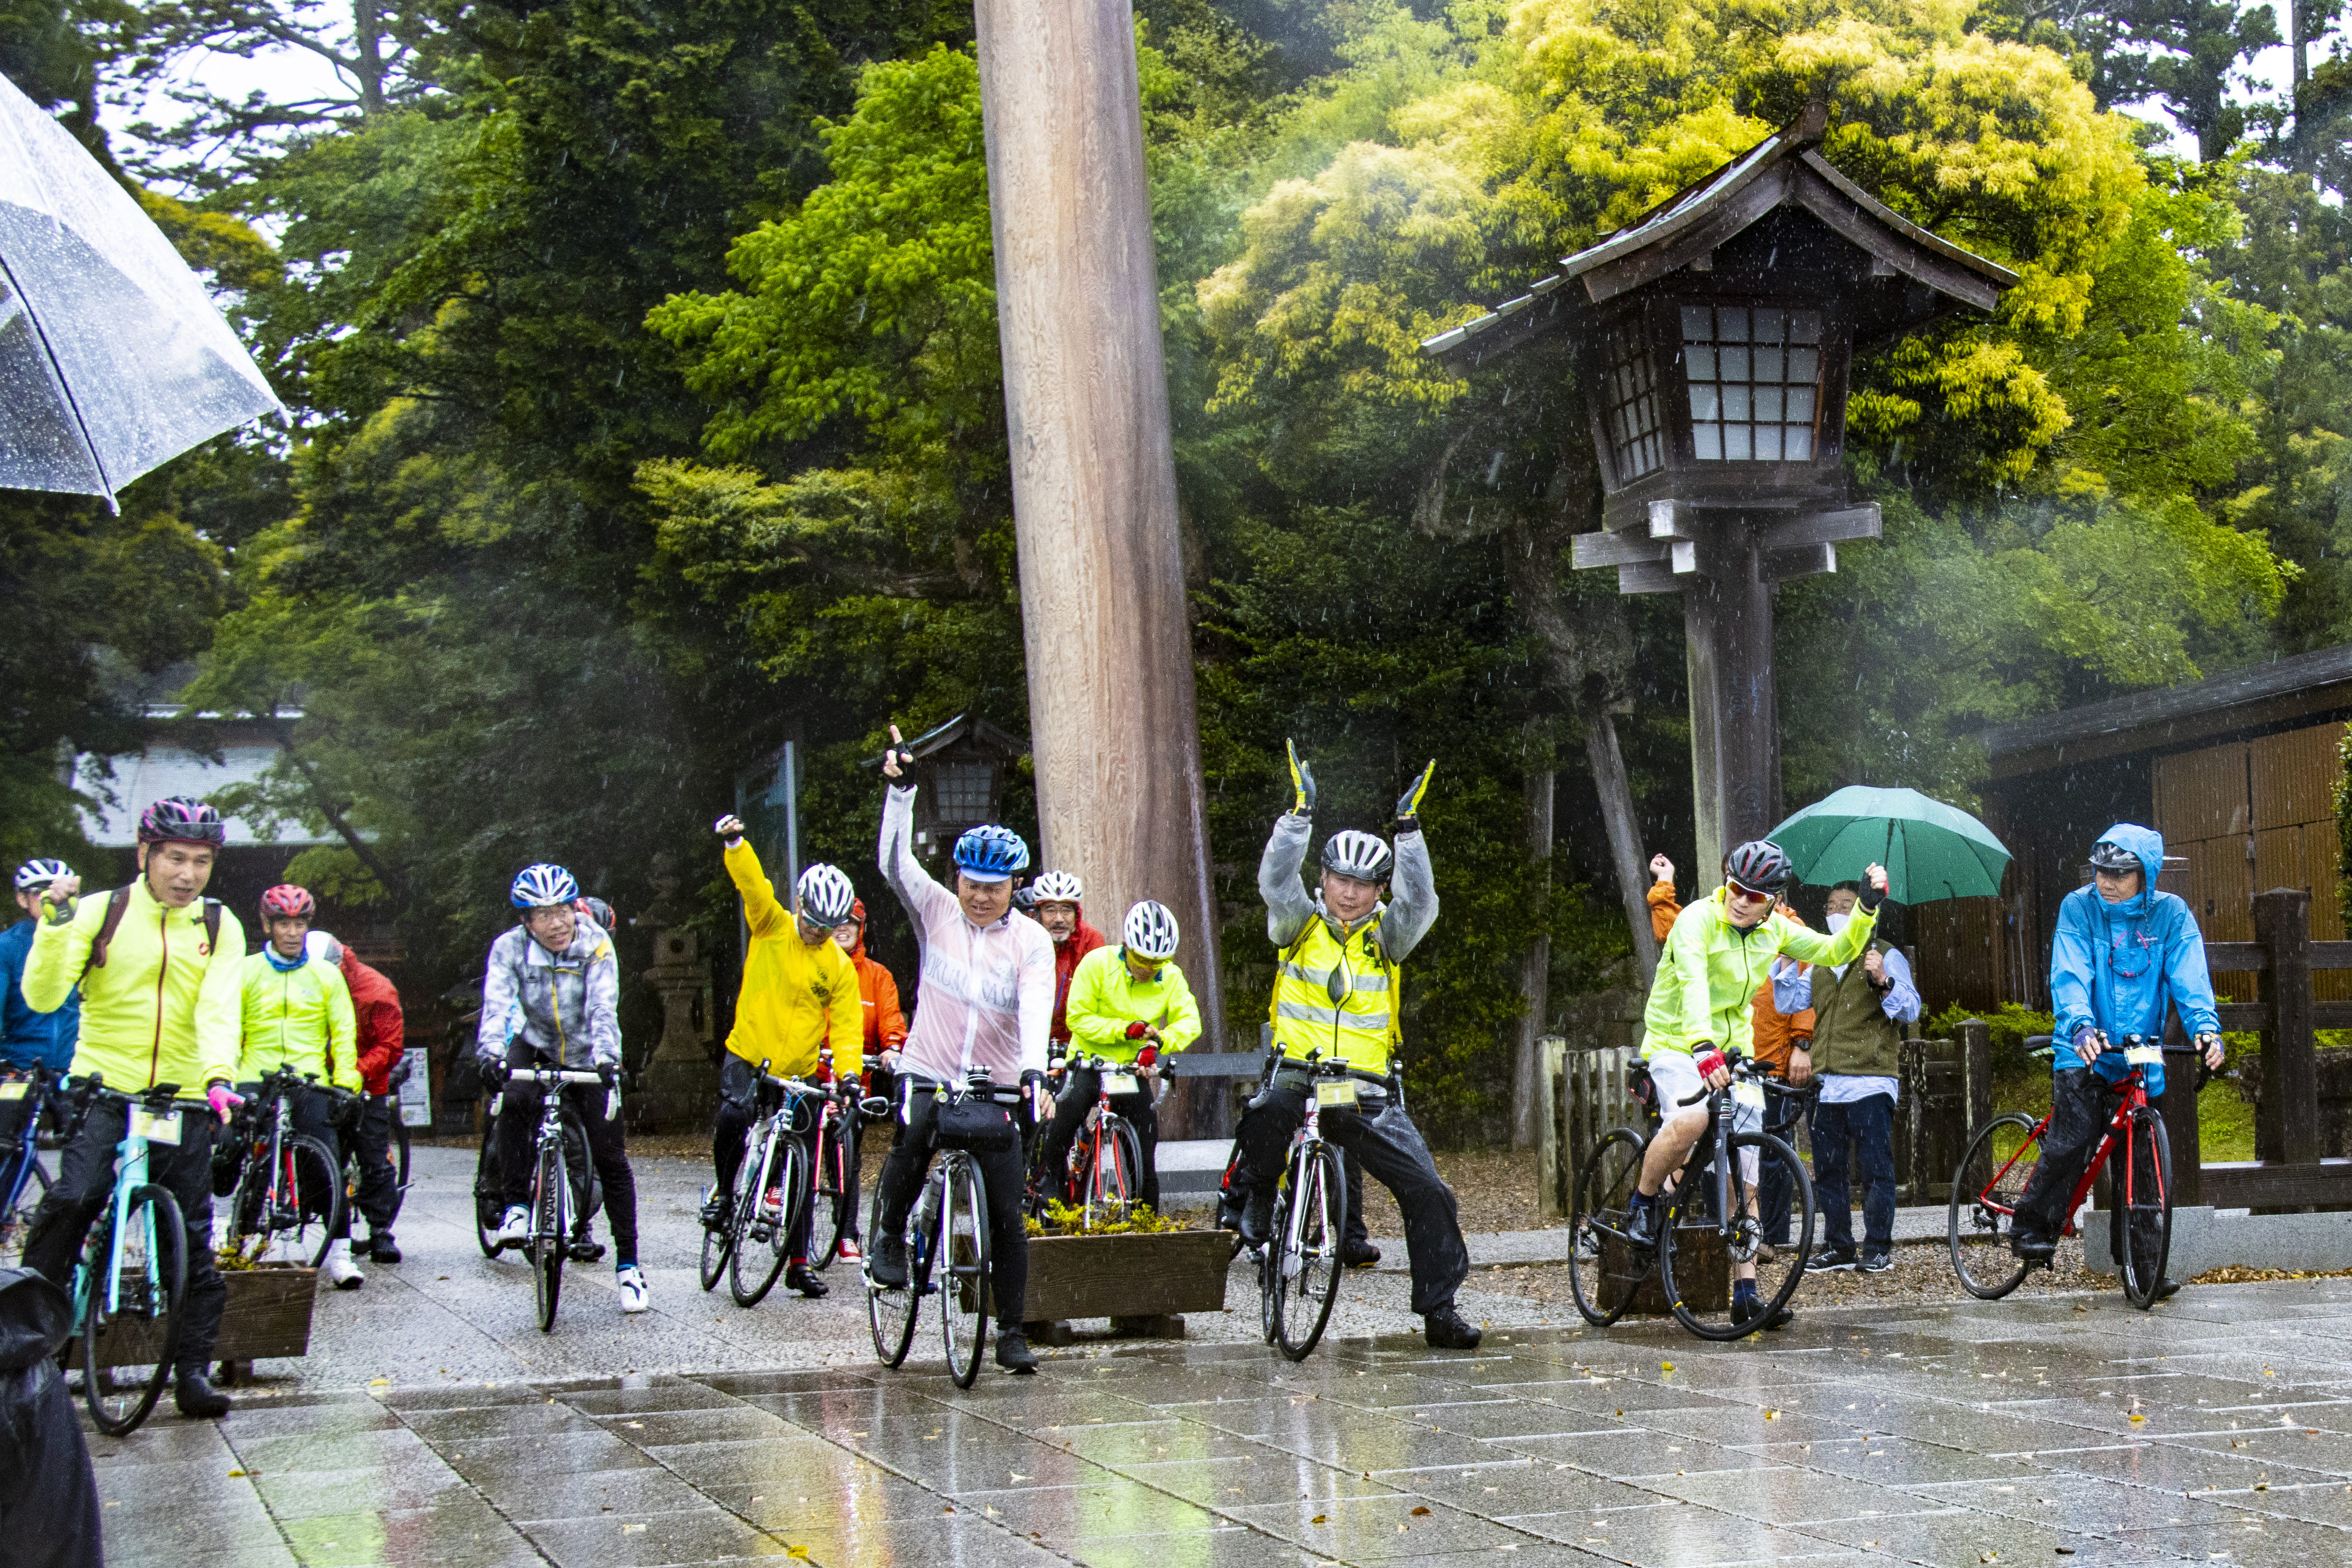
(1337,989)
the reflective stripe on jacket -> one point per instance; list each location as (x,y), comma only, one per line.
(159,1010)
(300,1018)
(1338,998)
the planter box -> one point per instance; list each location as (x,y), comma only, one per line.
(1710,1291)
(1154,1276)
(268,1317)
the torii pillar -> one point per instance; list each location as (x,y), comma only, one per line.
(1113,723)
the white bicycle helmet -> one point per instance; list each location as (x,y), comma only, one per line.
(40,874)
(324,947)
(826,894)
(1364,856)
(1151,931)
(1058,887)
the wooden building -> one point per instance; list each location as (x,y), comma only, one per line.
(2238,773)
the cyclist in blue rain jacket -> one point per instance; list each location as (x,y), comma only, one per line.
(2124,953)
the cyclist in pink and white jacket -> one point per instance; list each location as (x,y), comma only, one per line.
(986,1001)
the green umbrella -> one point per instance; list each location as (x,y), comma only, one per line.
(1930,851)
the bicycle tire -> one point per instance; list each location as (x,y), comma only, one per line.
(1981,1216)
(155,1247)
(551,1232)
(1306,1281)
(962,1261)
(317,1198)
(1131,1161)
(830,1179)
(399,1163)
(1598,1212)
(783,1158)
(1746,1240)
(891,1310)
(1106,1179)
(488,1211)
(18,1219)
(2146,1216)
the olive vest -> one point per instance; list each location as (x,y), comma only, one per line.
(1852,1036)
(1337,998)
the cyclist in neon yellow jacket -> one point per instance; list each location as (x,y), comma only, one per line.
(1132,1005)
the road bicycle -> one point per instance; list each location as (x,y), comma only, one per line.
(284,1188)
(1982,1215)
(771,1192)
(947,1249)
(489,1199)
(1105,1175)
(24,1181)
(840,1118)
(1710,1209)
(130,1283)
(1299,1267)
(550,1240)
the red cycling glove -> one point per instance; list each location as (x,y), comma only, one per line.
(1709,1062)
(1138,1029)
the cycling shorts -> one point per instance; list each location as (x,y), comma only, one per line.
(1677,1076)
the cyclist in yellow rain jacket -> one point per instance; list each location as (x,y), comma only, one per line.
(1335,993)
(1132,1005)
(800,991)
(299,1015)
(163,1008)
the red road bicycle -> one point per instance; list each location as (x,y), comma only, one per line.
(1106,1169)
(841,1115)
(1984,1211)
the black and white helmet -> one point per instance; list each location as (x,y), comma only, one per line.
(1058,887)
(1758,865)
(826,894)
(40,874)
(1364,856)
(1151,931)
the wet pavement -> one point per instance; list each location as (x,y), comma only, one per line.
(2218,1428)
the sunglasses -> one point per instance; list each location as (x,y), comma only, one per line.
(1749,894)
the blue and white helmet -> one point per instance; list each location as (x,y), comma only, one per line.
(825,895)
(40,874)
(542,886)
(1151,931)
(990,853)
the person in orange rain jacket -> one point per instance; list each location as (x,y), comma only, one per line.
(886,1029)
(1784,1042)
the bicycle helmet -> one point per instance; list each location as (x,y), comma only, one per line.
(990,853)
(1058,887)
(825,895)
(325,947)
(2105,856)
(597,910)
(40,874)
(542,886)
(176,820)
(1759,866)
(1151,931)
(285,901)
(1364,856)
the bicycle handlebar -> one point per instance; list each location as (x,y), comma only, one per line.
(552,1075)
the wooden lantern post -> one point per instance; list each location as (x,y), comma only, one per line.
(1112,717)
(1709,342)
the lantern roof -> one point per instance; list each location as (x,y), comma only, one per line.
(965,727)
(1914,275)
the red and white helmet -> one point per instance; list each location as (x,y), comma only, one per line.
(286,901)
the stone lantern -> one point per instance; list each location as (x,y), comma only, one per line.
(1710,342)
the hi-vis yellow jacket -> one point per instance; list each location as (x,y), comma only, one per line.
(796,998)
(300,1018)
(1709,970)
(163,1009)
(1105,996)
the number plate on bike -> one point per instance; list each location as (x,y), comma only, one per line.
(1340,1092)
(14,1089)
(1748,1094)
(1118,1084)
(2143,1055)
(156,1127)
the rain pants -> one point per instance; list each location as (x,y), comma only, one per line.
(49,1507)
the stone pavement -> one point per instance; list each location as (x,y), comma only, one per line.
(2218,1428)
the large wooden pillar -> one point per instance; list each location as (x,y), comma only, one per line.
(1734,712)
(1113,724)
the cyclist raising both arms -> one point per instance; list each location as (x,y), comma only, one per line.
(1335,993)
(550,998)
(886,1031)
(799,992)
(1702,1009)
(1124,1002)
(297,1015)
(986,1000)
(156,1008)
(2124,953)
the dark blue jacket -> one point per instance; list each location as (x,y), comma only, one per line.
(2116,967)
(28,1038)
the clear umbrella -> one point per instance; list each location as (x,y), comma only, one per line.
(112,357)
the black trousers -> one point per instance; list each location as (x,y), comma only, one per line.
(2081,1105)
(1001,1172)
(86,1179)
(608,1150)
(1783,1114)
(379,1196)
(1080,1088)
(1393,1153)
(49,1509)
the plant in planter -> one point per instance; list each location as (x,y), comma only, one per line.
(1141,1271)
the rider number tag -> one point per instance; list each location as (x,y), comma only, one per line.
(1341,1092)
(1749,1093)
(2143,1055)
(156,1128)
(1118,1084)
(14,1089)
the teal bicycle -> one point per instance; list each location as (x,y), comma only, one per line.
(131,1286)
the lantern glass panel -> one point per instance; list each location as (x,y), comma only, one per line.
(962,790)
(1754,376)
(1630,402)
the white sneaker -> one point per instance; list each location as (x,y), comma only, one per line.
(515,1229)
(341,1273)
(631,1282)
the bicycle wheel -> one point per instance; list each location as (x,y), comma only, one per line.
(19,1216)
(1697,1259)
(1308,1266)
(829,1179)
(127,1352)
(1985,1193)
(761,1251)
(488,1208)
(962,1251)
(1604,1189)
(309,1199)
(891,1310)
(399,1151)
(551,1231)
(1109,1174)
(2143,1190)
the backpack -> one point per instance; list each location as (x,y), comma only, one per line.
(118,904)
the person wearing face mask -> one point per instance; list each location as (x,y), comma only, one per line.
(1701,1010)
(1857,1049)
